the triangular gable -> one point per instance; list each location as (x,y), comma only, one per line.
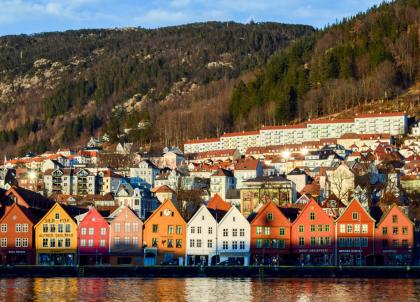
(200,210)
(386,214)
(51,210)
(217,203)
(314,203)
(165,203)
(360,205)
(93,212)
(227,215)
(19,209)
(19,198)
(264,208)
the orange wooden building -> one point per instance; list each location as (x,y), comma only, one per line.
(164,236)
(355,235)
(270,236)
(394,238)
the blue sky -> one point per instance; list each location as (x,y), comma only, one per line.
(32,16)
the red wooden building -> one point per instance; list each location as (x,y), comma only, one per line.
(355,235)
(93,238)
(395,237)
(313,236)
(270,236)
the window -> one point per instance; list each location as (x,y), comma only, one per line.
(357,228)
(312,215)
(83,231)
(135,227)
(384,243)
(404,243)
(52,228)
(25,242)
(364,242)
(60,228)
(154,242)
(192,242)
(18,242)
(327,240)
(45,228)
(171,243)
(394,219)
(404,230)
(364,228)
(355,215)
(349,228)
(225,245)
(242,245)
(155,228)
(83,242)
(225,232)
(312,228)
(179,229)
(192,230)
(117,241)
(127,241)
(67,242)
(327,228)
(127,227)
(319,227)
(170,229)
(18,228)
(68,228)
(199,230)
(267,230)
(57,215)
(320,240)
(301,229)
(234,232)
(270,216)
(117,227)
(282,231)
(90,242)
(102,243)
(384,230)
(209,243)
(342,228)
(312,240)
(301,241)
(45,242)
(395,230)
(4,228)
(242,232)
(91,231)
(4,242)
(210,230)
(395,243)
(259,230)
(60,242)
(234,245)
(259,243)
(52,242)
(103,231)
(178,243)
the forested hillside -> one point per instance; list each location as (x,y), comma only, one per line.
(57,89)
(373,55)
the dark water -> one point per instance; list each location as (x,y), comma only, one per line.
(208,289)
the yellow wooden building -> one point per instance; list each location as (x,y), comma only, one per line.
(56,238)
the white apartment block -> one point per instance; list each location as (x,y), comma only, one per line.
(70,181)
(315,130)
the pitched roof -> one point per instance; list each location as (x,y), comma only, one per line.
(217,203)
(247,164)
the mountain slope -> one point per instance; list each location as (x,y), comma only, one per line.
(59,88)
(374,55)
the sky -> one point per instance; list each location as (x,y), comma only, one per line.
(34,16)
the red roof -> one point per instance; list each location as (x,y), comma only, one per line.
(366,115)
(247,164)
(217,203)
(338,121)
(273,127)
(243,133)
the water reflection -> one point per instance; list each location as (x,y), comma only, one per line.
(208,289)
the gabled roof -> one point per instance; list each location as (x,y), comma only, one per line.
(333,198)
(162,189)
(167,201)
(217,203)
(311,202)
(386,213)
(348,206)
(262,210)
(247,164)
(223,172)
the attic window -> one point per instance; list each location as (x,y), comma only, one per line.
(57,215)
(270,216)
(234,218)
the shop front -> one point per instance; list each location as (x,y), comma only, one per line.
(397,258)
(17,257)
(57,258)
(315,256)
(351,257)
(234,258)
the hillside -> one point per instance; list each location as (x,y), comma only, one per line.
(371,56)
(57,89)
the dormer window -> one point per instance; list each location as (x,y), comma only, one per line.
(270,216)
